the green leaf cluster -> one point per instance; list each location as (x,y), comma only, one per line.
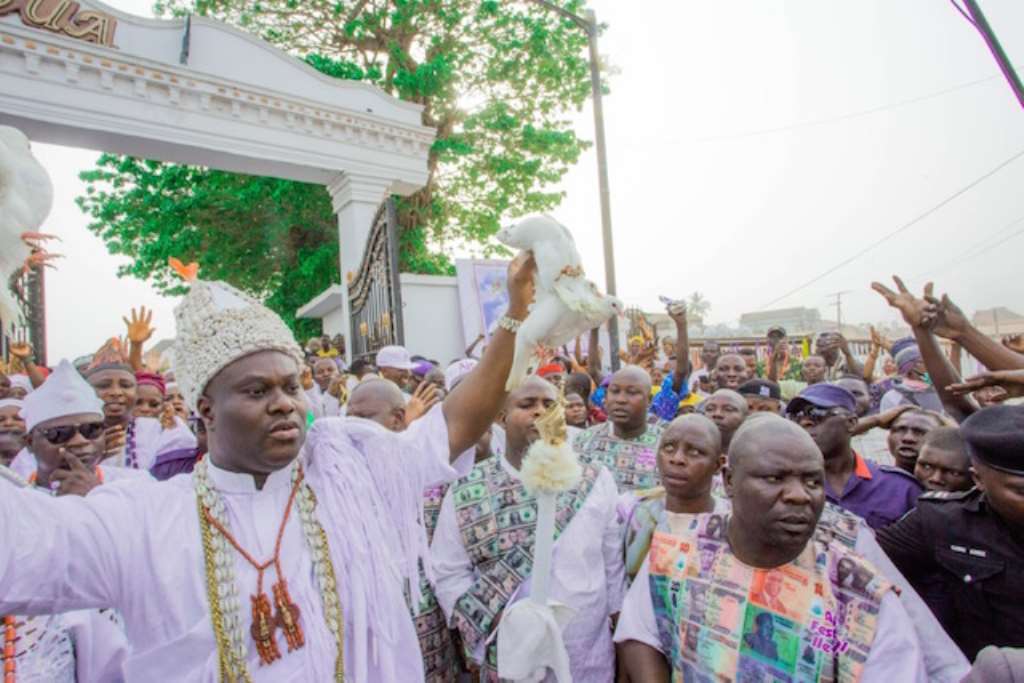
(497,80)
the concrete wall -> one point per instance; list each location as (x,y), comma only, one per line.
(334,323)
(430,312)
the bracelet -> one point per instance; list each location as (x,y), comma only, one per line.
(509,324)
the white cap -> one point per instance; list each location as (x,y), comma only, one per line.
(217,325)
(457,370)
(22,382)
(11,403)
(394,357)
(65,392)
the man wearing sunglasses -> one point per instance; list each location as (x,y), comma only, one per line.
(65,435)
(878,493)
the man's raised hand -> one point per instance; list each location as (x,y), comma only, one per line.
(1011,381)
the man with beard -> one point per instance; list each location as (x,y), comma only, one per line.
(483,548)
(775,481)
(216,576)
(626,443)
(877,493)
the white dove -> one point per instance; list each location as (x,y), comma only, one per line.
(566,304)
(26,192)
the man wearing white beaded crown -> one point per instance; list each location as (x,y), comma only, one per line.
(284,556)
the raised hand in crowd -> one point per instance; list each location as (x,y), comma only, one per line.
(426,396)
(1014,342)
(140,330)
(1010,381)
(925,314)
(21,349)
(947,320)
(167,416)
(307,378)
(677,313)
(882,420)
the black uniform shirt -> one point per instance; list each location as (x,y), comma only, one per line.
(966,563)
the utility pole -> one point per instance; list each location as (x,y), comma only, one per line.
(839,308)
(977,17)
(592,28)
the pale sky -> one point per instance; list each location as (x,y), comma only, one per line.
(708,194)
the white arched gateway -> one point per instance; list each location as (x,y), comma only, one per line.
(198,91)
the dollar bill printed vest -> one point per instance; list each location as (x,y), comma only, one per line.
(633,464)
(497,519)
(440,661)
(813,619)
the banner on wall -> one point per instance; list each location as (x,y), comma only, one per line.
(483,299)
(483,295)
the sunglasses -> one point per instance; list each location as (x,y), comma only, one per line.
(59,435)
(815,414)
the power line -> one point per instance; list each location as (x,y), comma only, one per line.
(974,250)
(845,117)
(987,249)
(906,226)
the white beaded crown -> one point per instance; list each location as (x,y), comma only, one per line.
(216,325)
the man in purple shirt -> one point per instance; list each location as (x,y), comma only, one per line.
(878,493)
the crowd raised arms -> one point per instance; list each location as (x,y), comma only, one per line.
(264,511)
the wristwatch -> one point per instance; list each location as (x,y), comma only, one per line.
(510,324)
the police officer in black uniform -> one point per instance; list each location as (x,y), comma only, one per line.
(964,552)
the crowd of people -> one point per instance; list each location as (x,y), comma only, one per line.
(263,511)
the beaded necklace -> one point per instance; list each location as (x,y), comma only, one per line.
(222,586)
(131,459)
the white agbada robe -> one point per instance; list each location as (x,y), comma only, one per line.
(74,553)
(322,403)
(151,440)
(587,575)
(83,645)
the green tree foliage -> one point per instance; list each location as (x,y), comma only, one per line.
(275,239)
(496,79)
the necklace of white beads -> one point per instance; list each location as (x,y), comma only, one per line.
(222,584)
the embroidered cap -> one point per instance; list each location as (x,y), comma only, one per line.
(216,325)
(64,393)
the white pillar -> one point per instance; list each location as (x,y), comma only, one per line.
(356,198)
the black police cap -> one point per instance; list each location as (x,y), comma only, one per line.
(995,436)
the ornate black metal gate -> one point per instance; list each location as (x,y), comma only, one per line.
(375,297)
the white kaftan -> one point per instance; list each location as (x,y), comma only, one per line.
(587,575)
(151,440)
(322,404)
(135,546)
